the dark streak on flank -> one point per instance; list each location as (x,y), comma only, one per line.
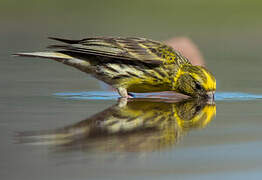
(132,74)
(150,74)
(160,72)
(111,69)
(120,77)
(121,65)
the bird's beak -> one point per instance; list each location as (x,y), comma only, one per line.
(211,95)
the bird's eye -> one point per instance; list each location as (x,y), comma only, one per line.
(198,86)
(198,108)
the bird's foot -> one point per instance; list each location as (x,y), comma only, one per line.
(122,102)
(123,93)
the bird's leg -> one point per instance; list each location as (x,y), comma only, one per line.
(123,92)
(122,102)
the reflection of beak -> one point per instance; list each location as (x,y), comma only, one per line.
(211,95)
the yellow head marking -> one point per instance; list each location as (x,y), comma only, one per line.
(178,74)
(188,77)
(210,82)
(206,78)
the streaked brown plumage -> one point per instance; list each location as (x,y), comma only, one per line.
(133,65)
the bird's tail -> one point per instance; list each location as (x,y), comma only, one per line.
(50,55)
(80,64)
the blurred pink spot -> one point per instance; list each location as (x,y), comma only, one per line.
(187,48)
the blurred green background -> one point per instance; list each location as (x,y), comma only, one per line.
(228,32)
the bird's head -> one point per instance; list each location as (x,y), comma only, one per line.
(195,81)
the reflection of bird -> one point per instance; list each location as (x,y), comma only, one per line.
(136,125)
(133,65)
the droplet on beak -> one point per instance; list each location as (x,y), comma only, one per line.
(211,95)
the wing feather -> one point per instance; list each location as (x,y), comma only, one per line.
(131,48)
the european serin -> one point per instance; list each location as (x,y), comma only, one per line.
(133,65)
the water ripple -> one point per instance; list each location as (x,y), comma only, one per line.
(110,95)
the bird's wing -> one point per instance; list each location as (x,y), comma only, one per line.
(138,49)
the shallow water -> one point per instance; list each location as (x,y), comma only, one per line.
(33,106)
(107,95)
(46,110)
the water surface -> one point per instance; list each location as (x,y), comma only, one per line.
(110,95)
(45,107)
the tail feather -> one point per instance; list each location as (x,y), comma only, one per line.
(57,47)
(49,55)
(82,65)
(68,41)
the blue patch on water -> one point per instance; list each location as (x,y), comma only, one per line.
(110,95)
(90,95)
(236,96)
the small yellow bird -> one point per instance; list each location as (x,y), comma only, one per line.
(133,65)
